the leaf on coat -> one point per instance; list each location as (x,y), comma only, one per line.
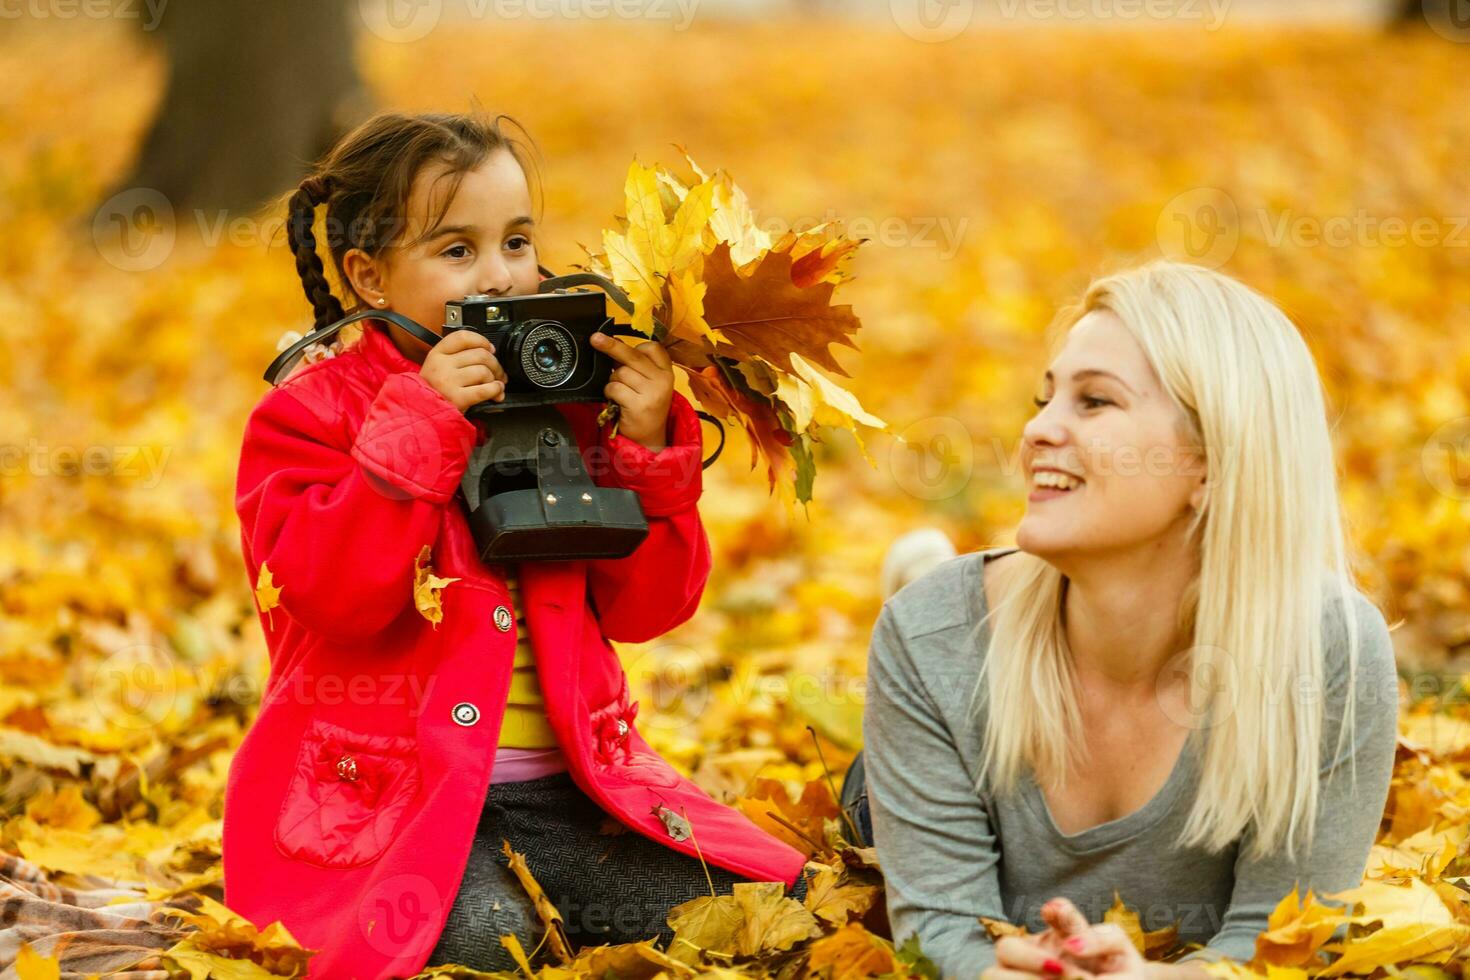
(545,909)
(426,586)
(677,826)
(267,593)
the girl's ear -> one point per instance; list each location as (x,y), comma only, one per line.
(365,276)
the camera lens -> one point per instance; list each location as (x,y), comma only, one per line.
(548,354)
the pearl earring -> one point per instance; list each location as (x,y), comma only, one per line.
(381,301)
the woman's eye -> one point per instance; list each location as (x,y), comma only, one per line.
(456,248)
(1088,400)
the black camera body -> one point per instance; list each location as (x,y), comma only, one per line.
(527,494)
(544,342)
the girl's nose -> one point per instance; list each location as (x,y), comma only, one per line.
(495,280)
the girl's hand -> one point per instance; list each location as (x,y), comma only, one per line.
(1042,955)
(462,367)
(642,385)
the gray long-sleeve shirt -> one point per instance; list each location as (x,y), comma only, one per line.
(950,854)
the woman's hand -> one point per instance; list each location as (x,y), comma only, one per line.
(1105,951)
(1069,949)
(642,385)
(1041,955)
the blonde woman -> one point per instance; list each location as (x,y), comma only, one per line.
(1171,688)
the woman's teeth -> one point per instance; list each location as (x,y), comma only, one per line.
(1051,479)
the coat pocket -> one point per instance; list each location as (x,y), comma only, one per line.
(614,746)
(347,796)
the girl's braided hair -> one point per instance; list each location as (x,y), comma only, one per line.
(365,180)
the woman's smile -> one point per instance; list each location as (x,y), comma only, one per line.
(1049,484)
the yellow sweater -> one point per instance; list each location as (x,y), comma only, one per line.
(525,725)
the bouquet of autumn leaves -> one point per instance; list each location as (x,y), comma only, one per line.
(749,317)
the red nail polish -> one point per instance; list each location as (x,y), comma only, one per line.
(1054,967)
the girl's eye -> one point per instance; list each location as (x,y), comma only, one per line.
(522,239)
(453,248)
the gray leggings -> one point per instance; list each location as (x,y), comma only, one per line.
(609,887)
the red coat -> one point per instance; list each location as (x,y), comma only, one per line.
(352,801)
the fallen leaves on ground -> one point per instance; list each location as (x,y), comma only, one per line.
(131,659)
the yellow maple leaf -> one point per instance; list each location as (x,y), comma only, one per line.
(31,965)
(1416,925)
(852,953)
(708,922)
(772,921)
(1296,929)
(1425,854)
(546,910)
(656,247)
(267,593)
(64,807)
(1151,943)
(829,896)
(816,400)
(686,309)
(733,222)
(426,586)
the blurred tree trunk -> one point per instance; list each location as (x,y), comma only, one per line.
(256,91)
(1455,13)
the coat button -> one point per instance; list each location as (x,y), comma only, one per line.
(466,714)
(503,618)
(347,768)
(622,728)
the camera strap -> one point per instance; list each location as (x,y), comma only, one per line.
(288,357)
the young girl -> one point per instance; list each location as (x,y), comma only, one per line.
(367,805)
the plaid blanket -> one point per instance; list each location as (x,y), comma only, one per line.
(74,923)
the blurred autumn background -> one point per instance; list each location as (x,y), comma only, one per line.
(996,156)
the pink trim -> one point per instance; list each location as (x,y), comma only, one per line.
(518,765)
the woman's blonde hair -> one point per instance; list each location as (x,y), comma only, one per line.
(1272,548)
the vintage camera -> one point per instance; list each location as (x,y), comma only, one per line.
(544,342)
(527,494)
